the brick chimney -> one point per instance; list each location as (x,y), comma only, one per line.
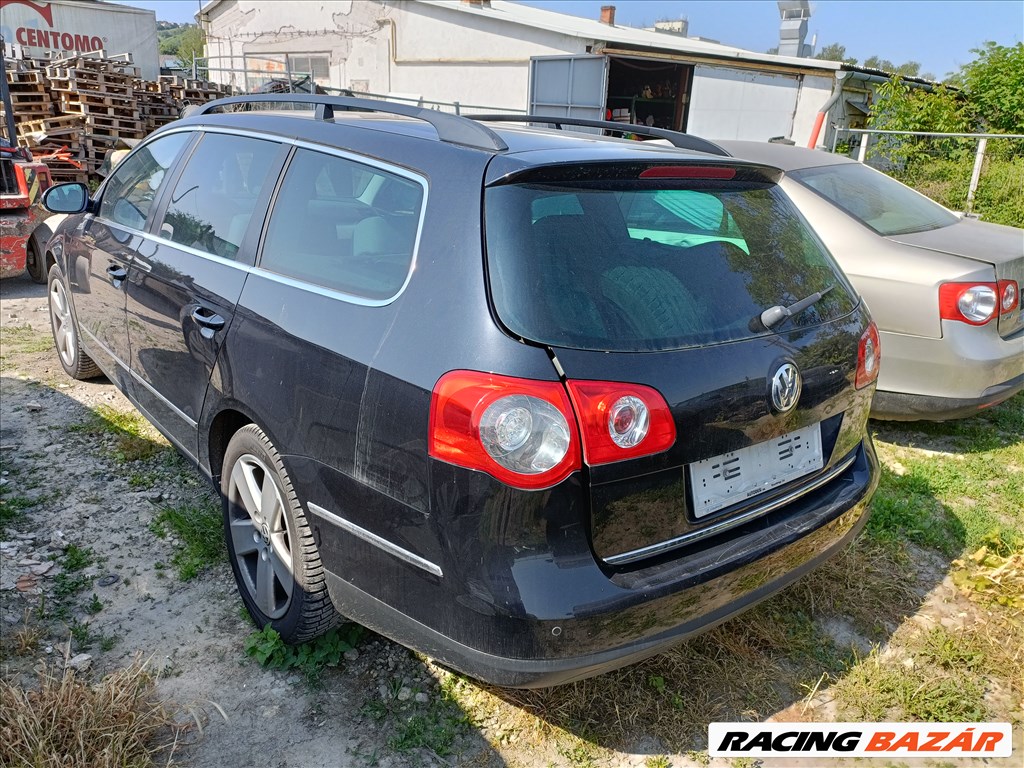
(608,15)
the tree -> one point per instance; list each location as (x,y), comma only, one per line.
(994,84)
(192,43)
(909,69)
(835,52)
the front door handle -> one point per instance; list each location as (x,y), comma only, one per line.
(117,273)
(208,320)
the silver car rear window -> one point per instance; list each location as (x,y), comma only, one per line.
(615,266)
(874,199)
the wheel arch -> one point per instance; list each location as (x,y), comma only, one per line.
(222,428)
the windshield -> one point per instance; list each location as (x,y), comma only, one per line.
(625,266)
(874,199)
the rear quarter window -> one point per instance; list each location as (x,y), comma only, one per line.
(630,266)
(343,225)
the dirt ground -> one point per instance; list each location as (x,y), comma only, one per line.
(129,600)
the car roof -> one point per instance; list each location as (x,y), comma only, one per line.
(519,138)
(783,156)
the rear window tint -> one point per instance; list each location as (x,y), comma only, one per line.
(618,266)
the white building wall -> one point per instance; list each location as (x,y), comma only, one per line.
(62,28)
(402,48)
(814,92)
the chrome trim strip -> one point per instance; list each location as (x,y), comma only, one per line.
(372,538)
(732,522)
(191,422)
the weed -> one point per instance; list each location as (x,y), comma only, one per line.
(82,635)
(267,647)
(107,642)
(199,528)
(12,509)
(657,761)
(65,721)
(77,558)
(95,605)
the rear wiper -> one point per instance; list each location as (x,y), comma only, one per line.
(775,315)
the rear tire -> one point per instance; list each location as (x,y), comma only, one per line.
(35,263)
(76,363)
(270,544)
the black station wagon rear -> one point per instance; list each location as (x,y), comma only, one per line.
(535,403)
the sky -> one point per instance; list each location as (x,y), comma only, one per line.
(939,34)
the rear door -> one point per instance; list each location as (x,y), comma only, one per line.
(569,86)
(104,250)
(634,276)
(189,272)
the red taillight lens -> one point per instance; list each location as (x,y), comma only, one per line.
(868,357)
(520,431)
(621,421)
(1009,296)
(972,303)
(687,172)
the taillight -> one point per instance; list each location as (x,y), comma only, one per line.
(1009,296)
(621,421)
(687,172)
(524,432)
(972,303)
(520,431)
(868,357)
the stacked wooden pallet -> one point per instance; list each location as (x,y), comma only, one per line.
(188,91)
(71,111)
(29,97)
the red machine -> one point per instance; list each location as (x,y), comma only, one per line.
(22,183)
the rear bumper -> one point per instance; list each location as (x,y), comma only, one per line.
(950,377)
(620,618)
(900,406)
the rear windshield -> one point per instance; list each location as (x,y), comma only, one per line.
(874,199)
(618,266)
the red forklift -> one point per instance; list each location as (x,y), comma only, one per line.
(22,183)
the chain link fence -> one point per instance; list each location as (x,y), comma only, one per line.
(979,174)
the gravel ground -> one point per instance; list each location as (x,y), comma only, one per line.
(86,578)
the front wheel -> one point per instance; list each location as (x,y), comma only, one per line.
(76,363)
(270,544)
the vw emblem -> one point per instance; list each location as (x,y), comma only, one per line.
(785,387)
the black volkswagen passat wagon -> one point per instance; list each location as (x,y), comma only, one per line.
(537,403)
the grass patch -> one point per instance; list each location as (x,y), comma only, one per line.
(328,650)
(13,508)
(953,502)
(132,438)
(70,581)
(118,722)
(200,533)
(940,681)
(435,725)
(21,340)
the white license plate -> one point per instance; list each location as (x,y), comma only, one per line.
(732,477)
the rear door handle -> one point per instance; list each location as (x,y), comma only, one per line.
(117,273)
(208,320)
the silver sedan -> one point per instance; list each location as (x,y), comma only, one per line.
(943,289)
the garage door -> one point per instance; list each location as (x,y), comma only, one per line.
(737,104)
(569,86)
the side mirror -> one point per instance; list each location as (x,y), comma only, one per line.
(66,198)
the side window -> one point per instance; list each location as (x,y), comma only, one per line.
(344,226)
(129,195)
(215,197)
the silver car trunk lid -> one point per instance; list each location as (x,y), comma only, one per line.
(995,244)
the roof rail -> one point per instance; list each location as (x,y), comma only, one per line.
(450,128)
(677,138)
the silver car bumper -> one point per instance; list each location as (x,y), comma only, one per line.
(968,368)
